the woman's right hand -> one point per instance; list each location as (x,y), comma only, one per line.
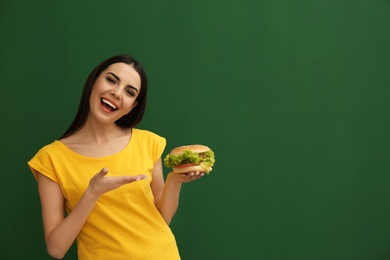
(100,183)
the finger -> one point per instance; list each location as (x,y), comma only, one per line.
(117,181)
(200,175)
(103,172)
(140,177)
(190,175)
(129,179)
(194,176)
(197,175)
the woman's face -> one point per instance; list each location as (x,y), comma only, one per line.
(114,92)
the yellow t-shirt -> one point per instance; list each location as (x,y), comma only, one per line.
(125,223)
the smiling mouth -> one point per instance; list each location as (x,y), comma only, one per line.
(107,104)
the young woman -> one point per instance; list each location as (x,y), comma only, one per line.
(108,175)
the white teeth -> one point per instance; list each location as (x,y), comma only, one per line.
(109,103)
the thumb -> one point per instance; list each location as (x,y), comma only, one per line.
(103,172)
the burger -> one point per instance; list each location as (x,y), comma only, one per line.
(189,158)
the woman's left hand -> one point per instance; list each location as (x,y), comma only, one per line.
(185,177)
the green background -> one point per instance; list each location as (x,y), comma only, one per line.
(293,97)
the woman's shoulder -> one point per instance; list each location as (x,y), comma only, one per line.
(154,142)
(143,136)
(55,145)
(50,150)
(145,133)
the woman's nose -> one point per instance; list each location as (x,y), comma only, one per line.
(115,94)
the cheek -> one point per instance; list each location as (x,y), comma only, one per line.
(132,106)
(128,107)
(93,99)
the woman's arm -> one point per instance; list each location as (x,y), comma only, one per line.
(166,196)
(60,232)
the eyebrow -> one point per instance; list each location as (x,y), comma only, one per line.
(118,79)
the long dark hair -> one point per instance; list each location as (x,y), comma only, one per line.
(127,121)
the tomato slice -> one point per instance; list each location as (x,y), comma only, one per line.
(187,164)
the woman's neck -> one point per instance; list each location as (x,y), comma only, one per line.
(100,133)
(94,132)
(98,141)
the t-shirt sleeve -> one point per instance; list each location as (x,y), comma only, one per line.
(42,163)
(158,144)
(160,147)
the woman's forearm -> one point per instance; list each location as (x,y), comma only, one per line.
(169,201)
(61,232)
(63,235)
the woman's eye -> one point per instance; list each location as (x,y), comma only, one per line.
(131,93)
(110,80)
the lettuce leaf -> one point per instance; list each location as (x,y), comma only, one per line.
(206,160)
(186,157)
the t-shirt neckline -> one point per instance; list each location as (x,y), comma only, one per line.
(74,153)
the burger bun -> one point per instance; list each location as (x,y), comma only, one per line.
(197,148)
(190,168)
